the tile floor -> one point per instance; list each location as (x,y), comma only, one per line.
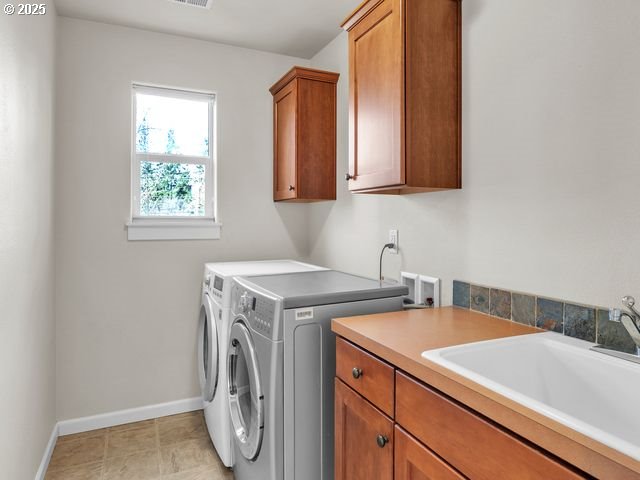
(168,448)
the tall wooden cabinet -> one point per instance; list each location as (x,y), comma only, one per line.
(304,135)
(405,94)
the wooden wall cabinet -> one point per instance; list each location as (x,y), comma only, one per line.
(404,96)
(429,435)
(304,135)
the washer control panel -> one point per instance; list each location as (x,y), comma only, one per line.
(259,310)
(212,285)
(217,284)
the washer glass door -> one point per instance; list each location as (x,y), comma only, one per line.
(245,391)
(208,349)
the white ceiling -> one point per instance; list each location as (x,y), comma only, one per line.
(290,27)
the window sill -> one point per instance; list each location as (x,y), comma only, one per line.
(173,229)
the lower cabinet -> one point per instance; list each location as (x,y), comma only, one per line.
(363,438)
(421,434)
(476,447)
(369,447)
(414,461)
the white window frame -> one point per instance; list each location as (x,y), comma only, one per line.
(143,227)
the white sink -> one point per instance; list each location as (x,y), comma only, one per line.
(559,377)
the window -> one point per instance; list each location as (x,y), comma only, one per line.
(173,167)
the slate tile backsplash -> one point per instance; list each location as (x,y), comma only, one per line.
(461,294)
(579,321)
(500,303)
(479,298)
(549,314)
(523,309)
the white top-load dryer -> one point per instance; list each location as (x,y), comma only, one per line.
(213,338)
(282,367)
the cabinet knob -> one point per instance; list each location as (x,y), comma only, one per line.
(356,372)
(291,188)
(382,440)
(348,177)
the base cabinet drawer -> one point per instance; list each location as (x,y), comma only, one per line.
(472,445)
(363,438)
(413,461)
(368,375)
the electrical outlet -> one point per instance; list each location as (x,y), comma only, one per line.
(393,238)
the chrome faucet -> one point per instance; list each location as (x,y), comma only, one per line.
(630,320)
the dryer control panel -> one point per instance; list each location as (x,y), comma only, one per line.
(258,310)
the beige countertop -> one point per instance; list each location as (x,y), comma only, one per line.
(400,338)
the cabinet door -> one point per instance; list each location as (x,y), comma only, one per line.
(376,100)
(477,448)
(414,461)
(363,438)
(316,140)
(284,142)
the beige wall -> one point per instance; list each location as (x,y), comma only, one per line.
(127,311)
(551,142)
(27,336)
(551,161)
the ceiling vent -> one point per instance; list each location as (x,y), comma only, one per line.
(195,3)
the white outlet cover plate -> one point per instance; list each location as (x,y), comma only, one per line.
(425,283)
(393,238)
(411,280)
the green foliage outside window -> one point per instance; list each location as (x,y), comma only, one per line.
(169,188)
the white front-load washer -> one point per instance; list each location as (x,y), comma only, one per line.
(213,337)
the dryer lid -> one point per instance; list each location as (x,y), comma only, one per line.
(307,289)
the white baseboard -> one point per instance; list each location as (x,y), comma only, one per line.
(120,417)
(44,464)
